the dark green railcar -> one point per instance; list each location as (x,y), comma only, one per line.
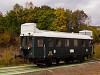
(45,47)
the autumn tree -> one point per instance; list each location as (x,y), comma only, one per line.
(59,23)
(47,18)
(78,18)
(1,22)
(69,19)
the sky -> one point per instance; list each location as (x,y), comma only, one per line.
(90,7)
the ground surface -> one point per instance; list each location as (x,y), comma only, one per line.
(84,69)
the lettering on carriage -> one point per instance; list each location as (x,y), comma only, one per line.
(50,53)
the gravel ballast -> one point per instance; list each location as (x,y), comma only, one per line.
(83,69)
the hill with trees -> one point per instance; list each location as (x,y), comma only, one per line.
(47,18)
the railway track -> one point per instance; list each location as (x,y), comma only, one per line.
(16,70)
(94,60)
(33,68)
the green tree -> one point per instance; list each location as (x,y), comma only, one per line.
(13,19)
(28,13)
(44,17)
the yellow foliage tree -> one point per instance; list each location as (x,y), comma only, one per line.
(59,23)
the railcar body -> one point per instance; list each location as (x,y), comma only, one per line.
(44,47)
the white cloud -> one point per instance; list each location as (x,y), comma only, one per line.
(91,7)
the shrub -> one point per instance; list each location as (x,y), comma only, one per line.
(97,51)
(17,40)
(8,58)
(8,55)
(4,39)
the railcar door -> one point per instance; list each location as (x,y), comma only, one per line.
(26,46)
(40,48)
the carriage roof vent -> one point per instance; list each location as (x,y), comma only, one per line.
(86,32)
(29,28)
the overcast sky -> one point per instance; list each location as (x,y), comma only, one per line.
(91,7)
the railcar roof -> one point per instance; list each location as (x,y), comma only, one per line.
(56,34)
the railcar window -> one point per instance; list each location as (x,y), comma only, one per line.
(30,41)
(58,42)
(83,43)
(23,41)
(76,43)
(90,43)
(51,41)
(66,42)
(40,42)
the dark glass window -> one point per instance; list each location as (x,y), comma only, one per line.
(75,43)
(40,43)
(66,42)
(83,43)
(58,42)
(51,41)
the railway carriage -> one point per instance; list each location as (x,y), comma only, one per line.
(44,47)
